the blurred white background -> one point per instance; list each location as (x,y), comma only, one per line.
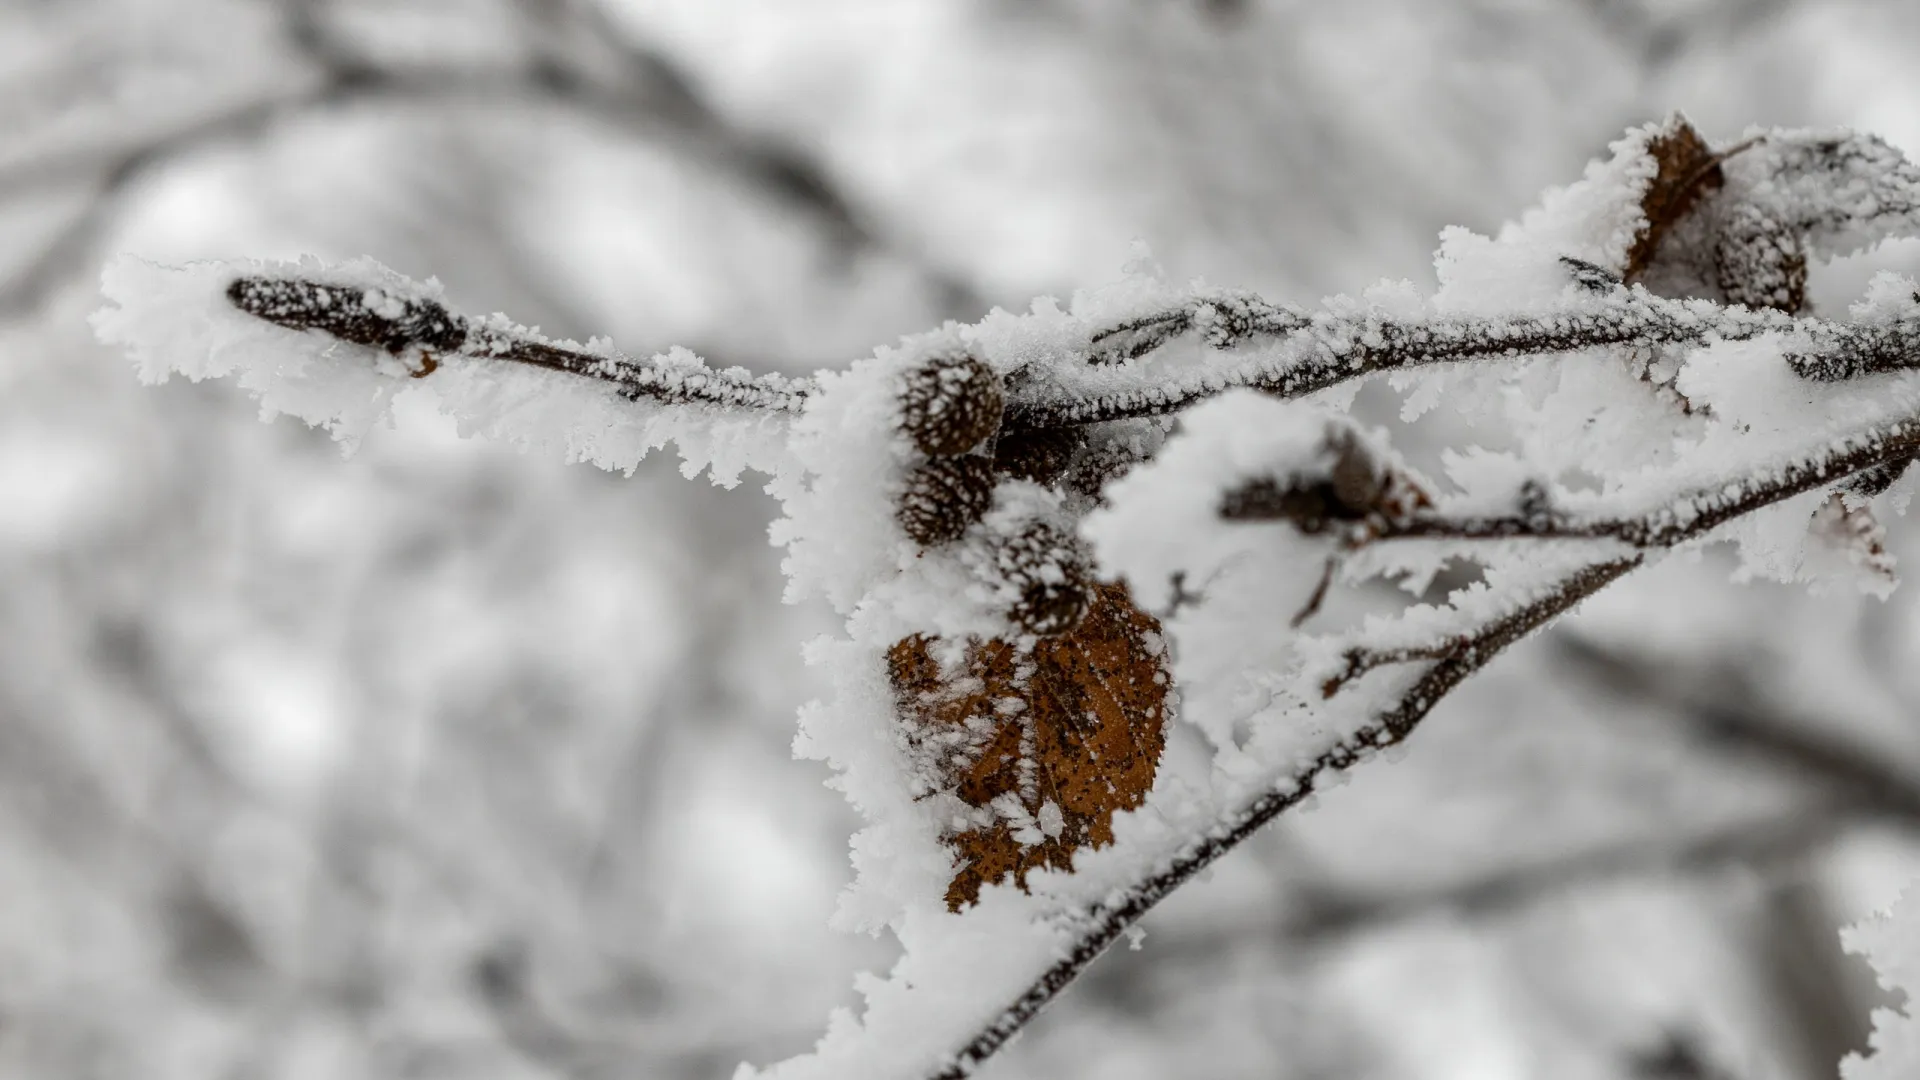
(443,762)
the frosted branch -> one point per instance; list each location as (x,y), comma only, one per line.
(1313,352)
(423,329)
(1677,519)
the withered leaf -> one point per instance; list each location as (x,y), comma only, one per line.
(1687,170)
(1070,728)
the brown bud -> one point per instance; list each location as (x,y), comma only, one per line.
(951,404)
(1044,564)
(943,497)
(1311,508)
(1358,481)
(1047,608)
(360,315)
(1360,487)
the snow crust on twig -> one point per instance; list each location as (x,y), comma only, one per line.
(178,320)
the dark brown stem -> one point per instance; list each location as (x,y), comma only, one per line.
(424,330)
(1360,661)
(1327,349)
(1225,318)
(1684,517)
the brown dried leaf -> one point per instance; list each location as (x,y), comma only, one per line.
(1074,722)
(1688,169)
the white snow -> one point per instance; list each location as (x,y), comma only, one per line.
(1891,943)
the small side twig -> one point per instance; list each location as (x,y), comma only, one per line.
(1672,520)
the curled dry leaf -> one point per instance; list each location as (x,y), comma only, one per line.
(1688,169)
(1045,740)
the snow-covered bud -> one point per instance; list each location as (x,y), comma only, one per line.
(1355,485)
(951,404)
(1174,524)
(1760,261)
(943,497)
(373,317)
(1044,565)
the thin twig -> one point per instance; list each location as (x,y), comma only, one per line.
(1331,348)
(1673,520)
(1326,919)
(425,332)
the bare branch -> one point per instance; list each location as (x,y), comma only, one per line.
(1673,520)
(1855,351)
(1325,349)
(424,331)
(1341,491)
(1329,919)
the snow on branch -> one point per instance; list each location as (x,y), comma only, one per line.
(1064,537)
(419,330)
(334,345)
(1322,350)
